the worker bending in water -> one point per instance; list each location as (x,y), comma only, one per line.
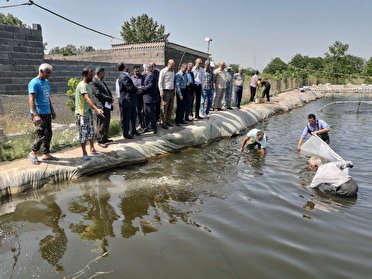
(315,127)
(255,138)
(333,177)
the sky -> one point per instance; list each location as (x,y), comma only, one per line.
(246,32)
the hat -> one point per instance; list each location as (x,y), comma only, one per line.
(99,69)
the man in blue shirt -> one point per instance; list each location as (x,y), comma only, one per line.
(315,127)
(181,81)
(42,113)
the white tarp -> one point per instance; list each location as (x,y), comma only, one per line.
(316,146)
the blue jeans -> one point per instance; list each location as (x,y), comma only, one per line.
(207,101)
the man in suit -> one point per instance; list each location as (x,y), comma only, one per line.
(104,96)
(127,102)
(150,99)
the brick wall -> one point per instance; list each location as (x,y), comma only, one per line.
(21,53)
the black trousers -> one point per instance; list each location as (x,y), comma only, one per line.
(266,93)
(253,93)
(180,111)
(43,134)
(103,126)
(140,110)
(238,96)
(128,119)
(198,93)
(149,115)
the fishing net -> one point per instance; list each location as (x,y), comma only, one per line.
(316,146)
(349,106)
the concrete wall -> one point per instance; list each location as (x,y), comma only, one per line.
(21,53)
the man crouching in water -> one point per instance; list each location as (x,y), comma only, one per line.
(334,177)
(255,138)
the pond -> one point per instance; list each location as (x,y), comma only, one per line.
(209,212)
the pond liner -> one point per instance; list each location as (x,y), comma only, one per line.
(20,176)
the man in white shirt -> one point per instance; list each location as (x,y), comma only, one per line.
(333,177)
(253,85)
(220,78)
(255,138)
(198,81)
(166,88)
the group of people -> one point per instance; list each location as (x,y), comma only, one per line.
(332,177)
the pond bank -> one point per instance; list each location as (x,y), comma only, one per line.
(21,176)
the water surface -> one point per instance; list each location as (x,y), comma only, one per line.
(210,212)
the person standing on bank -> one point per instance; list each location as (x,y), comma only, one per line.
(198,77)
(220,78)
(207,88)
(239,83)
(181,91)
(104,96)
(255,138)
(229,87)
(156,73)
(188,98)
(138,80)
(266,91)
(83,112)
(150,98)
(253,85)
(315,127)
(127,101)
(166,88)
(42,113)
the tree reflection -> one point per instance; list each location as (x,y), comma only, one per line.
(47,212)
(98,215)
(143,207)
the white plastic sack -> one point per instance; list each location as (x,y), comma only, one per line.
(316,146)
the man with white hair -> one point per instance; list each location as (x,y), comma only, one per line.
(220,78)
(42,113)
(333,177)
(255,137)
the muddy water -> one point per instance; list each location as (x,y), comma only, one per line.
(211,212)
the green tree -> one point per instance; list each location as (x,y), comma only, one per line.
(71,50)
(235,67)
(143,29)
(336,64)
(367,70)
(276,66)
(11,20)
(72,84)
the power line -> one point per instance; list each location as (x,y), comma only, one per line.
(30,2)
(15,5)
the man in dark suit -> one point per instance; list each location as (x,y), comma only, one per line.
(150,98)
(104,96)
(127,102)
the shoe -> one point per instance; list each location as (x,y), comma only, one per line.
(86,158)
(128,136)
(170,125)
(199,117)
(145,131)
(108,140)
(155,131)
(183,122)
(103,145)
(33,159)
(229,108)
(178,124)
(164,126)
(238,107)
(49,158)
(188,119)
(135,134)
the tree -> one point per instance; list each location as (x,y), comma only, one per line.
(143,29)
(11,20)
(235,67)
(276,66)
(71,50)
(367,70)
(336,63)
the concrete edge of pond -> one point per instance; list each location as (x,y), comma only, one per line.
(21,176)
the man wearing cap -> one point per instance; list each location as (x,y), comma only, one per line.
(104,96)
(255,138)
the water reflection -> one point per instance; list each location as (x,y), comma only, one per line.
(53,246)
(98,215)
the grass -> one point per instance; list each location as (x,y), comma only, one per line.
(19,146)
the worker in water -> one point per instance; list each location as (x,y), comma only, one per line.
(333,177)
(315,127)
(255,138)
